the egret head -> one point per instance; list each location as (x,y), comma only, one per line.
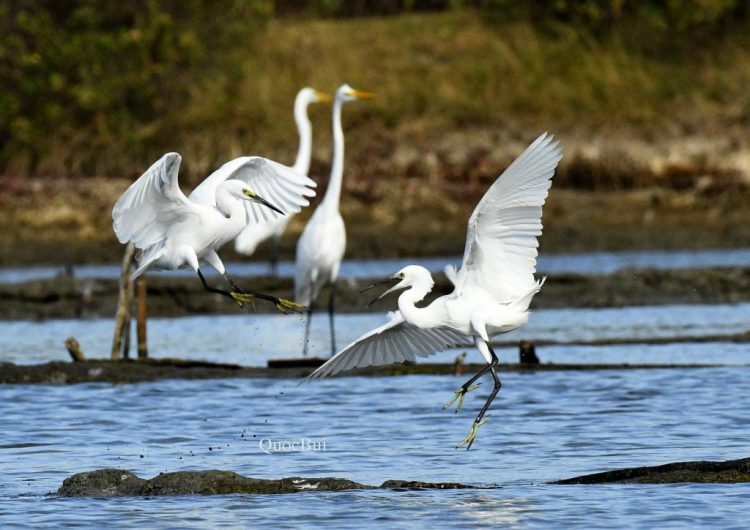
(239,190)
(309,95)
(345,93)
(409,276)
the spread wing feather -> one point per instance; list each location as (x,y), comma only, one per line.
(397,341)
(501,244)
(278,184)
(151,203)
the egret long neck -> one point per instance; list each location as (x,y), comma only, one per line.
(333,193)
(233,210)
(304,127)
(417,316)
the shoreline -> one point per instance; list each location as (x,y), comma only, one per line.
(139,371)
(70,298)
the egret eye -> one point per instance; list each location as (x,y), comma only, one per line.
(248,193)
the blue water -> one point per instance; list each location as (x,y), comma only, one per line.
(585,263)
(251,339)
(544,426)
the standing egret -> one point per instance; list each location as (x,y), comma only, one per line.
(253,235)
(321,246)
(176,232)
(493,288)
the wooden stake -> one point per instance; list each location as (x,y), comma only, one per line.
(123,305)
(141,319)
(75,350)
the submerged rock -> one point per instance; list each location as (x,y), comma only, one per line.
(728,472)
(119,483)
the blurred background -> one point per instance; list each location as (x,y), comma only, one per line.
(649,98)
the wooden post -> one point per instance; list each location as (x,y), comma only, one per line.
(74,348)
(141,319)
(126,327)
(123,305)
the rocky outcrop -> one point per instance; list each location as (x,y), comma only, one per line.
(120,483)
(728,472)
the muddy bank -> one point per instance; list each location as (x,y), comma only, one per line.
(179,296)
(104,371)
(727,472)
(121,483)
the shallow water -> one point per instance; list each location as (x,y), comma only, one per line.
(251,339)
(584,263)
(544,426)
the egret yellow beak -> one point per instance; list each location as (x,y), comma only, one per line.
(361,95)
(323,97)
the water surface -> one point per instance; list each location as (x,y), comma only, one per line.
(581,263)
(544,426)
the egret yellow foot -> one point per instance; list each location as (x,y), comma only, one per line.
(461,392)
(286,305)
(243,298)
(472,433)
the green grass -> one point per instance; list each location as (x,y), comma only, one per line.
(434,74)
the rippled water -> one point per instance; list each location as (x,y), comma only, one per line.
(584,263)
(544,426)
(251,340)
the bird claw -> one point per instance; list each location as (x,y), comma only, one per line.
(286,306)
(472,433)
(242,298)
(461,392)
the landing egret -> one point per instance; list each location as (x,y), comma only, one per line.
(253,235)
(493,287)
(321,246)
(176,232)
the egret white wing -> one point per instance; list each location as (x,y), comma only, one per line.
(151,204)
(501,244)
(395,342)
(278,184)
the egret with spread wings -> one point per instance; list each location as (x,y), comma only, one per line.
(177,232)
(493,287)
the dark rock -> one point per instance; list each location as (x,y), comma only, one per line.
(729,472)
(101,483)
(119,483)
(418,485)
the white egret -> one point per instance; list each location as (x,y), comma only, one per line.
(321,246)
(253,235)
(176,232)
(493,287)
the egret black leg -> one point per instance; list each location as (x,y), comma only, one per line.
(488,368)
(307,328)
(242,296)
(238,289)
(494,392)
(211,289)
(331,308)
(479,421)
(466,387)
